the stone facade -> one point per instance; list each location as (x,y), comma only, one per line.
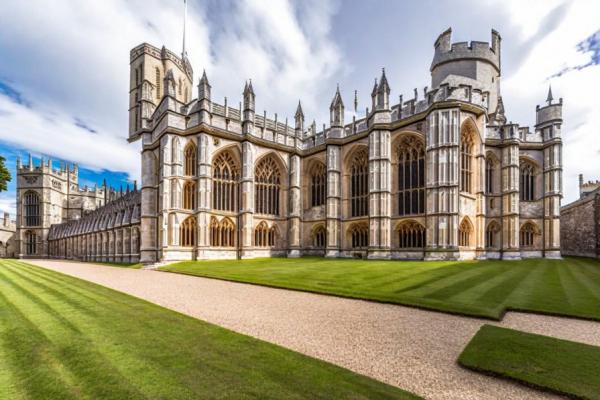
(580,222)
(441,176)
(46,197)
(8,228)
(110,233)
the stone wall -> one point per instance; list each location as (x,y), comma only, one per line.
(580,227)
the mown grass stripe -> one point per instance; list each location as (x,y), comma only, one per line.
(560,366)
(28,352)
(461,287)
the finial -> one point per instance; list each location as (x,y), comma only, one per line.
(134,186)
(549,98)
(299,112)
(355,101)
(183,51)
(416,94)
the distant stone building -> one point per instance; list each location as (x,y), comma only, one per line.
(47,197)
(8,228)
(580,222)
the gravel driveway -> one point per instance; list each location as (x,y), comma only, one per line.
(413,349)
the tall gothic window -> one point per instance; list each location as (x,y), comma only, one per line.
(411,176)
(489,175)
(222,234)
(189,196)
(318,185)
(32,209)
(30,243)
(189,167)
(187,232)
(490,234)
(466,163)
(360,236)
(464,233)
(526,235)
(157,77)
(359,184)
(264,236)
(267,187)
(527,182)
(319,237)
(411,235)
(225,183)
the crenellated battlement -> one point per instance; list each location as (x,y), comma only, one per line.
(446,51)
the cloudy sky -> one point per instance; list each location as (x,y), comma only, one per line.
(64,65)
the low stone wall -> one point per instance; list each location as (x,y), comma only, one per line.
(580,227)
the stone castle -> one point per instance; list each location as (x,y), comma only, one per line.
(440,175)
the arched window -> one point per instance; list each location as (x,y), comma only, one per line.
(319,237)
(222,234)
(157,76)
(360,236)
(225,183)
(189,196)
(527,235)
(187,232)
(491,234)
(411,235)
(264,236)
(32,209)
(179,86)
(489,175)
(411,176)
(189,168)
(466,162)
(464,233)
(135,241)
(527,182)
(267,187)
(30,243)
(318,184)
(359,183)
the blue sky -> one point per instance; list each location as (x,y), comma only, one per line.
(64,65)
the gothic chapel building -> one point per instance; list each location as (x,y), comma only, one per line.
(442,175)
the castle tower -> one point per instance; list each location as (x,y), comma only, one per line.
(548,124)
(475,64)
(149,81)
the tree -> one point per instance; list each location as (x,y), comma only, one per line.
(4,175)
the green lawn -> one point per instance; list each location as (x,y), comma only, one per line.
(64,338)
(569,287)
(552,364)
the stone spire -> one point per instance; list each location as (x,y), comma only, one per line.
(550,97)
(204,87)
(336,110)
(249,96)
(299,118)
(382,93)
(355,101)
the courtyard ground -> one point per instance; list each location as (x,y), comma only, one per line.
(406,347)
(569,287)
(63,338)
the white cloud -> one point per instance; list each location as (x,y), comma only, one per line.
(553,53)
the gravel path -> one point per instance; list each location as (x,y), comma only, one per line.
(410,348)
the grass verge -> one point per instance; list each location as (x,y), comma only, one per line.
(569,287)
(64,338)
(556,365)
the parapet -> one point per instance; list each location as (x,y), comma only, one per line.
(446,51)
(549,113)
